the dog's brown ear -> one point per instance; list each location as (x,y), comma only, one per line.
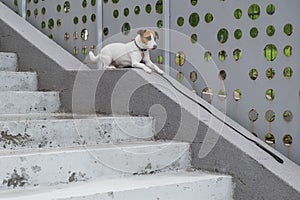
(156,35)
(141,32)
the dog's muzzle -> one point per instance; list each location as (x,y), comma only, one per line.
(154,47)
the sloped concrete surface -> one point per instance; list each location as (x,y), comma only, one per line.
(8,61)
(164,186)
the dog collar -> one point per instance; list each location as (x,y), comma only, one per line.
(142,50)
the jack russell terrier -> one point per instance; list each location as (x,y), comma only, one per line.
(135,53)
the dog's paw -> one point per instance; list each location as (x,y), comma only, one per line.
(148,70)
(160,71)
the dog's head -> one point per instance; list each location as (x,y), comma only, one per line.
(148,38)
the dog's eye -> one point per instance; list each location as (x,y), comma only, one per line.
(149,38)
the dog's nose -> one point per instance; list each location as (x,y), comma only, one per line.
(154,46)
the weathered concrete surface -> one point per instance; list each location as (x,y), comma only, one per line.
(18,81)
(15,102)
(254,172)
(22,169)
(163,186)
(8,61)
(64,130)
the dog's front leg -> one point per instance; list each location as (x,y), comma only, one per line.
(142,66)
(150,64)
(153,66)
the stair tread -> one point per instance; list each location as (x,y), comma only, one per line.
(114,185)
(61,116)
(127,145)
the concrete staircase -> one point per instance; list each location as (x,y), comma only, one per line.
(50,155)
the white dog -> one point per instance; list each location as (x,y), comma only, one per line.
(135,53)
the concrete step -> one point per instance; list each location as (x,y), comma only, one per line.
(162,186)
(18,81)
(44,167)
(8,62)
(15,102)
(63,130)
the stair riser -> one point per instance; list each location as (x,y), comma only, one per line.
(62,167)
(18,81)
(211,189)
(73,132)
(8,62)
(28,102)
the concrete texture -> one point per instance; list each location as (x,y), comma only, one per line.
(32,168)
(12,102)
(163,186)
(63,131)
(9,61)
(255,174)
(18,81)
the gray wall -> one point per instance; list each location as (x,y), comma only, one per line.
(255,173)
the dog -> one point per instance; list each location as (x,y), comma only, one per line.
(134,53)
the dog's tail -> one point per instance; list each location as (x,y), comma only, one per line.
(94,58)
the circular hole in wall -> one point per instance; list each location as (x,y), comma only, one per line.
(254,11)
(287,140)
(148,8)
(180,21)
(194,2)
(160,59)
(238,13)
(207,94)
(137,10)
(270,52)
(253,74)
(180,77)
(207,56)
(270,138)
(84,34)
(237,94)
(270,9)
(115,1)
(43,24)
(254,32)
(105,31)
(66,36)
(84,3)
(160,23)
(67,6)
(222,55)
(58,23)
(126,12)
(287,115)
(194,19)
(93,17)
(288,29)
(180,58)
(116,13)
(75,20)
(126,28)
(58,8)
(84,19)
(270,73)
(270,94)
(288,72)
(238,34)
(270,116)
(270,30)
(93,2)
(43,11)
(209,18)
(253,115)
(159,7)
(288,51)
(193,76)
(222,35)
(222,75)
(194,38)
(51,23)
(237,54)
